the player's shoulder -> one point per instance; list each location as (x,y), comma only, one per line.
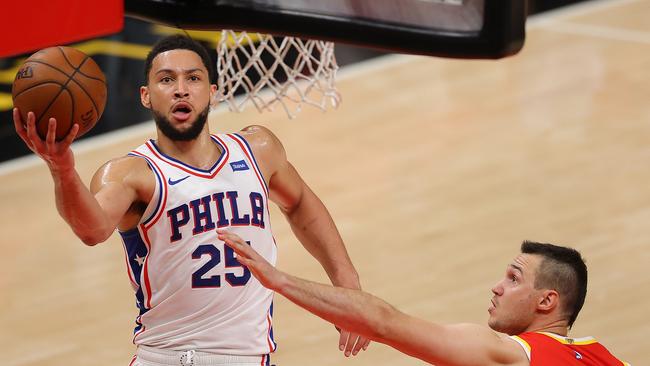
(259,134)
(262,140)
(124,165)
(122,168)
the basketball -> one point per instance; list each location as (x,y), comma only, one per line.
(60,82)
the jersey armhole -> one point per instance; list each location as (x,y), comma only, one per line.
(523,345)
(157,197)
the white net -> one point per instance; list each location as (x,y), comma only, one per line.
(264,70)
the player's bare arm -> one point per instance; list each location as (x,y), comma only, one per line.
(309,219)
(92,218)
(123,187)
(442,345)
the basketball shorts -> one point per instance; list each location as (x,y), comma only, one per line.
(148,356)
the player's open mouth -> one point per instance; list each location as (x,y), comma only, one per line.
(181,111)
(493,306)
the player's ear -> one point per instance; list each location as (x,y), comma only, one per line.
(213,93)
(548,300)
(144,97)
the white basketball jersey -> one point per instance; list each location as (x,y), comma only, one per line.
(191,291)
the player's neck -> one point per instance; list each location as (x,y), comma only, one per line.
(555,326)
(201,152)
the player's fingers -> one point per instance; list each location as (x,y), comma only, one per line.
(70,136)
(18,120)
(366,344)
(37,142)
(352,341)
(50,138)
(343,339)
(20,127)
(358,345)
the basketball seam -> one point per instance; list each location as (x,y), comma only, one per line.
(71,77)
(16,95)
(63,72)
(65,87)
(65,57)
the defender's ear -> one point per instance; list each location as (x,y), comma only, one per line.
(549,300)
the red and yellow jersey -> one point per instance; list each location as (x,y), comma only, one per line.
(545,349)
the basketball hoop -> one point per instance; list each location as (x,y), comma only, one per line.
(263,70)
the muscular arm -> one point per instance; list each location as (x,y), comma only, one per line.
(307,215)
(365,314)
(93,216)
(309,219)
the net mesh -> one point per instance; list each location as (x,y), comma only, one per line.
(265,70)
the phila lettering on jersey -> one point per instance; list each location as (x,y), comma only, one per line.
(191,291)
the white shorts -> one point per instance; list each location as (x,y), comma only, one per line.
(148,356)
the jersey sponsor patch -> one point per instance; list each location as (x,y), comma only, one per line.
(239,165)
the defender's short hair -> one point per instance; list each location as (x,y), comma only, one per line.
(563,270)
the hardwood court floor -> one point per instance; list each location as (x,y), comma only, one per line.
(435,170)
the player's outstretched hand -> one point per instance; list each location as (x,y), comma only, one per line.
(53,152)
(268,275)
(352,344)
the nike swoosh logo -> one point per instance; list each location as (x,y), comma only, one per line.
(172,182)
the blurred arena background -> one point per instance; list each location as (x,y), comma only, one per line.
(121,58)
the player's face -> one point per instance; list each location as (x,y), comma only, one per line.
(514,302)
(179,93)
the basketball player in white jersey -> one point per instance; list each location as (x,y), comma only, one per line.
(197,304)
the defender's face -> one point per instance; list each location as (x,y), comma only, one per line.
(179,88)
(514,304)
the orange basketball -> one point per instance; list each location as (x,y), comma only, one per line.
(60,82)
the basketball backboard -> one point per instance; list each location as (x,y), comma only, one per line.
(35,24)
(445,28)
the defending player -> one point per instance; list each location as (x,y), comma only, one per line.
(535,304)
(197,303)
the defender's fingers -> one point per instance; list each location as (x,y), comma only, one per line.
(235,242)
(234,237)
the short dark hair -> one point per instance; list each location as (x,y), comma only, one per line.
(562,270)
(178,42)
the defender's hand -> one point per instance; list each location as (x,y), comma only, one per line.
(268,275)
